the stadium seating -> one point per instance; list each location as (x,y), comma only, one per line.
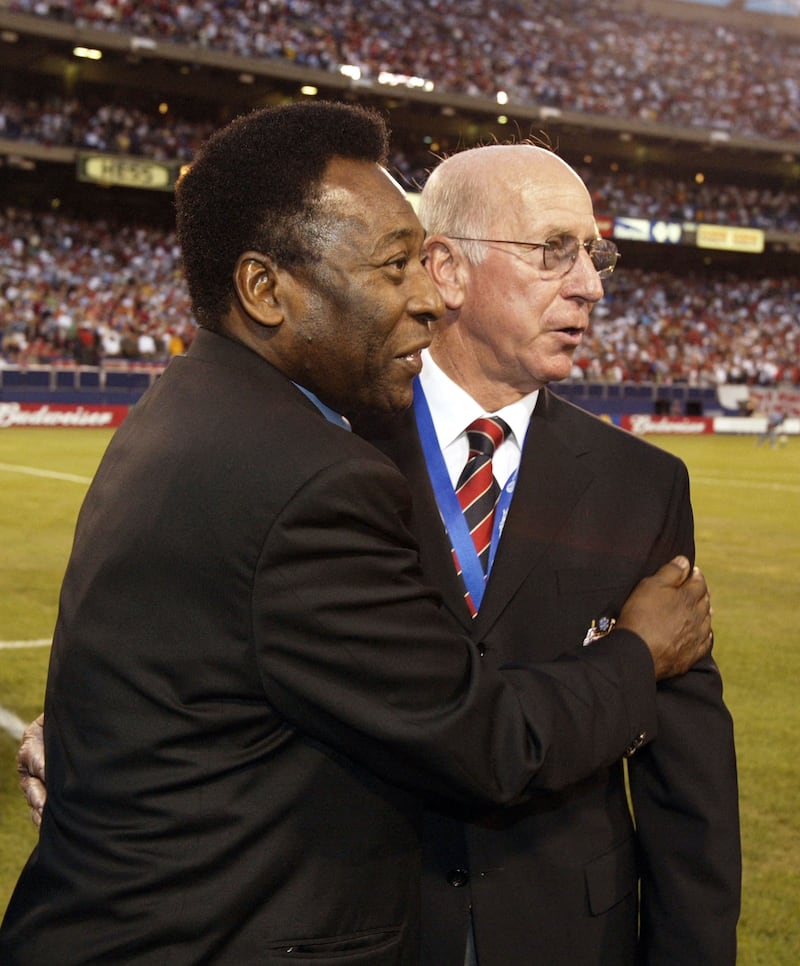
(93,277)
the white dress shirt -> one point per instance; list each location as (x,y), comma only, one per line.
(452,410)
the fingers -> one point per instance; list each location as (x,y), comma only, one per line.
(34,792)
(697,585)
(693,581)
(705,634)
(30,767)
(697,582)
(30,755)
(679,572)
(681,562)
(709,641)
(35,796)
(672,613)
(675,571)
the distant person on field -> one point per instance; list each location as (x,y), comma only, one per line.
(772,433)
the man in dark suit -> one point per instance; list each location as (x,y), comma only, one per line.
(251,692)
(514,249)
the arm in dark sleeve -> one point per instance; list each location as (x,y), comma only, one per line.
(354,652)
(685,798)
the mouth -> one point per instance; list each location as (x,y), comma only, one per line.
(571,333)
(412,358)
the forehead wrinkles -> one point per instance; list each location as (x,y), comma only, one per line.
(372,226)
(539,190)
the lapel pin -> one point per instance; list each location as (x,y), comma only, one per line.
(599,628)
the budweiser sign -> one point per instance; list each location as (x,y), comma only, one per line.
(44,415)
(642,425)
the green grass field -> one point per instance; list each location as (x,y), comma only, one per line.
(747,509)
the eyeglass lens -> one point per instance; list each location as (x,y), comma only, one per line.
(561,252)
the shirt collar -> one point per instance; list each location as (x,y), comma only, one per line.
(452,408)
(330,414)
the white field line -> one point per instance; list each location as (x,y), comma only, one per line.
(11,724)
(715,480)
(48,474)
(18,645)
(747,484)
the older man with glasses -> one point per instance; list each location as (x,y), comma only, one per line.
(576,514)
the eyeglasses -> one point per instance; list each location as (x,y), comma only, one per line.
(560,252)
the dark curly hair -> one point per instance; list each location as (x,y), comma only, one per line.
(253,185)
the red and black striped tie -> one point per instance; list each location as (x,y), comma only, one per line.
(477,489)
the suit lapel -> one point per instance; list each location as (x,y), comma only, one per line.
(400,441)
(554,472)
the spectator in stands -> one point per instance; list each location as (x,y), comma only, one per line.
(87,345)
(735,323)
(649,67)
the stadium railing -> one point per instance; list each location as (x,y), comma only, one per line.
(118,384)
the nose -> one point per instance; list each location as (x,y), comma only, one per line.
(425,303)
(583,278)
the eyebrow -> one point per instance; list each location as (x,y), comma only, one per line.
(395,235)
(549,233)
(398,234)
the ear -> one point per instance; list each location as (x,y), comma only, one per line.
(257,284)
(447,268)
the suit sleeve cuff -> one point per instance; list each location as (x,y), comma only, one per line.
(637,674)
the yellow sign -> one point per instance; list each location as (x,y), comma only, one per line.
(110,169)
(729,239)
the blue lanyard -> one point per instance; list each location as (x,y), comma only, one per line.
(450,509)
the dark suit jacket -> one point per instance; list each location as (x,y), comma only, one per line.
(555,881)
(250,693)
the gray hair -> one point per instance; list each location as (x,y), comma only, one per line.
(457,201)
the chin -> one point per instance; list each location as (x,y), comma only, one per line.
(395,399)
(383,405)
(561,369)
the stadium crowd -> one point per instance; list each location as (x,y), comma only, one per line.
(93,292)
(82,124)
(645,194)
(96,126)
(86,292)
(591,57)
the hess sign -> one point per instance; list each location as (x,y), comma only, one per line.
(724,238)
(110,169)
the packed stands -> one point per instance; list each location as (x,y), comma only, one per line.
(601,57)
(100,282)
(90,292)
(120,128)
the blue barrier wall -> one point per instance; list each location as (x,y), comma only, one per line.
(88,385)
(76,385)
